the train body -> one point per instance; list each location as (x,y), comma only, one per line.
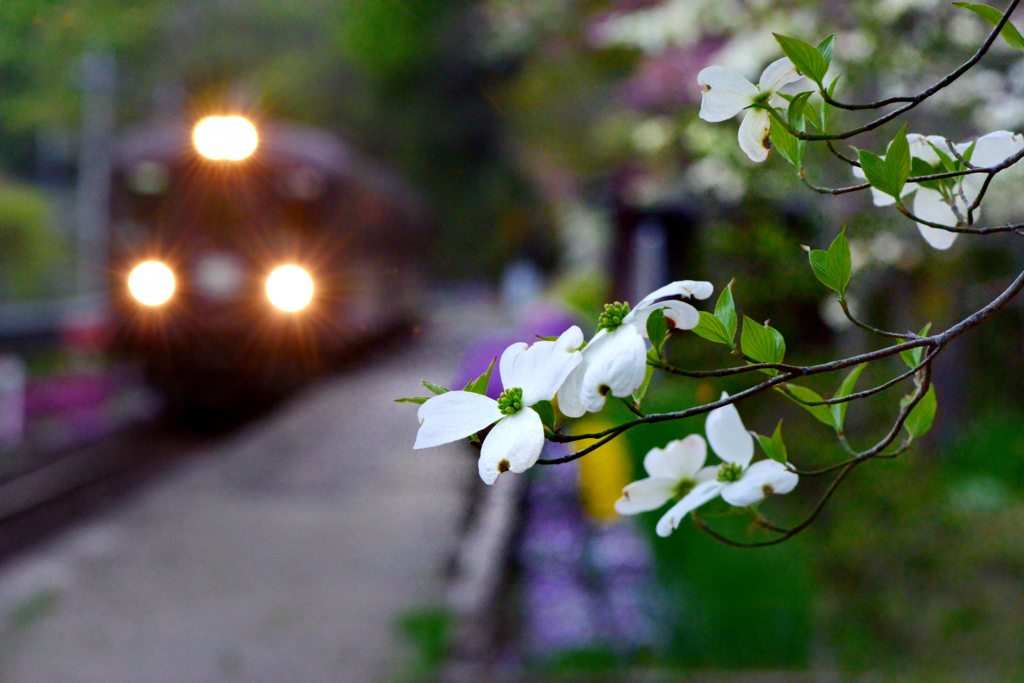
(254,254)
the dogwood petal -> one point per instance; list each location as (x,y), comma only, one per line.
(708,473)
(777,74)
(994,148)
(700,494)
(698,289)
(726,93)
(729,439)
(617,367)
(453,416)
(753,135)
(930,206)
(761,479)
(678,314)
(936,238)
(971,185)
(990,150)
(569,392)
(921,149)
(513,445)
(645,495)
(678,460)
(540,369)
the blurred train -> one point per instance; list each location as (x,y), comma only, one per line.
(247,254)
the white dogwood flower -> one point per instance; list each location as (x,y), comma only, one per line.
(736,480)
(615,360)
(727,93)
(529,374)
(929,204)
(674,470)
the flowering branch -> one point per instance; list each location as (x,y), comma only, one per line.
(914,100)
(948,182)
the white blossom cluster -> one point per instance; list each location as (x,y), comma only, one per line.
(582,376)
(677,472)
(949,210)
(727,93)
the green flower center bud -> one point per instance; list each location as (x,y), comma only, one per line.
(730,472)
(510,401)
(613,315)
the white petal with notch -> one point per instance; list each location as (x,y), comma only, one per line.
(700,494)
(729,439)
(453,416)
(753,134)
(513,445)
(645,495)
(678,460)
(726,93)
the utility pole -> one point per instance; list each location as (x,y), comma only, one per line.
(94,168)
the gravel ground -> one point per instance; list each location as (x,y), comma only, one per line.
(284,552)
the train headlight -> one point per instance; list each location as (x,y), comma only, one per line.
(229,138)
(290,288)
(151,283)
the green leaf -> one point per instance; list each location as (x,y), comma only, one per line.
(826,46)
(479,385)
(969,152)
(805,57)
(657,328)
(712,329)
(415,399)
(876,173)
(1009,32)
(897,159)
(833,267)
(725,311)
(948,163)
(889,175)
(546,338)
(780,343)
(438,390)
(546,412)
(773,446)
(920,167)
(845,389)
(912,357)
(791,149)
(821,413)
(762,343)
(923,415)
(826,108)
(800,110)
(639,394)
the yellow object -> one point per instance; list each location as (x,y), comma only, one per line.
(151,283)
(290,288)
(228,138)
(604,473)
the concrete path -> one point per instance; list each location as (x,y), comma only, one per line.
(284,553)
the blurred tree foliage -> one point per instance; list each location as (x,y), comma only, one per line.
(29,253)
(403,80)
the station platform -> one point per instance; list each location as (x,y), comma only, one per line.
(283,552)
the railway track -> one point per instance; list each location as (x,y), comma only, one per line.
(76,484)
